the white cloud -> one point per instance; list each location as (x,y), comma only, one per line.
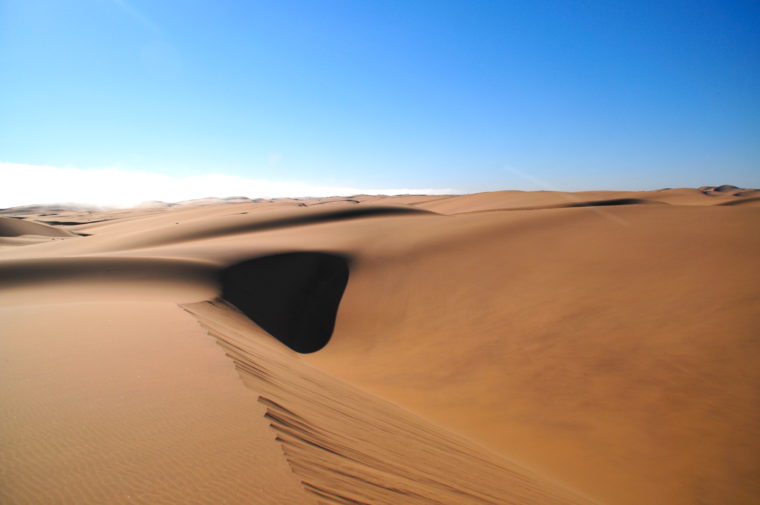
(22,184)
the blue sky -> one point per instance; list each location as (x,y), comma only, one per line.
(462,95)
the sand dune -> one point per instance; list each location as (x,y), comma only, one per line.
(129,402)
(10,227)
(528,200)
(351,447)
(22,232)
(509,347)
(753,201)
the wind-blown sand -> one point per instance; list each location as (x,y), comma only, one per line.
(509,347)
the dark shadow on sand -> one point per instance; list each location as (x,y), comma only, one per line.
(609,203)
(293,296)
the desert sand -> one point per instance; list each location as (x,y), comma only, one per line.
(495,348)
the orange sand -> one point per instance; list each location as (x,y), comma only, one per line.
(508,347)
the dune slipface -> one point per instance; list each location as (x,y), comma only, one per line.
(293,296)
(10,227)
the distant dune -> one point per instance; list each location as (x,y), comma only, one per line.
(495,348)
(10,227)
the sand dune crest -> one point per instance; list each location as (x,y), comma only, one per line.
(14,227)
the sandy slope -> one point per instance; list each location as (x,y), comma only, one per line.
(507,347)
(128,402)
(347,446)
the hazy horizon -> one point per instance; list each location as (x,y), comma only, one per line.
(128,188)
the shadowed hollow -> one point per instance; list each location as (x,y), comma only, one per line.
(293,296)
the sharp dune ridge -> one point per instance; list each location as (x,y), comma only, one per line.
(350,447)
(590,203)
(492,348)
(10,227)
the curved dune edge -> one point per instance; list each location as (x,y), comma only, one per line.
(169,233)
(537,200)
(294,296)
(754,201)
(105,268)
(16,227)
(129,403)
(349,447)
(590,203)
(53,280)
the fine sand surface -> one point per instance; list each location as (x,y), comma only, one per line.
(496,348)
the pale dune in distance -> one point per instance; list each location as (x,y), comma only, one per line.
(494,348)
